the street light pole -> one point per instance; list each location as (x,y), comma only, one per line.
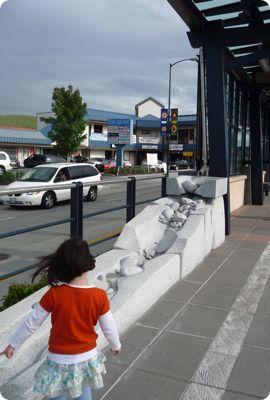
(169,106)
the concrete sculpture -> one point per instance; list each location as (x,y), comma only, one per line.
(161,245)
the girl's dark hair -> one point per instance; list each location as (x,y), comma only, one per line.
(71,259)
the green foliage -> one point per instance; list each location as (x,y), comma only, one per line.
(7,177)
(19,291)
(69,123)
(18,121)
(112,171)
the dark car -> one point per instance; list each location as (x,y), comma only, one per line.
(37,159)
(99,163)
(179,164)
(15,163)
(79,159)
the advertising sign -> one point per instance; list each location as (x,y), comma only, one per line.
(174,122)
(164,122)
(177,147)
(149,140)
(188,153)
(149,147)
(152,158)
(120,131)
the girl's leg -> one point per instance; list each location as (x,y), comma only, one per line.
(86,395)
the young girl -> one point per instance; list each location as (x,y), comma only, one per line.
(73,365)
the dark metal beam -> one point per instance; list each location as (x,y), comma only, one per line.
(246,49)
(256,148)
(216,104)
(234,36)
(240,21)
(189,13)
(228,8)
(248,59)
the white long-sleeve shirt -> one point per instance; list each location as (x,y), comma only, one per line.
(35,319)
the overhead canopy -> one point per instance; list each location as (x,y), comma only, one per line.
(246,32)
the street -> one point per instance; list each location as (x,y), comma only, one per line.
(23,250)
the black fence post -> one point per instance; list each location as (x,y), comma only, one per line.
(131,199)
(76,211)
(164,186)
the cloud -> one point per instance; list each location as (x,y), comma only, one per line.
(2,2)
(117,52)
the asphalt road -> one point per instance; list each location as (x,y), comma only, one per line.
(24,249)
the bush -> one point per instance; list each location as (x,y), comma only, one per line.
(20,173)
(7,177)
(19,291)
(112,171)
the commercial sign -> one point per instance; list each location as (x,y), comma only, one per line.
(174,121)
(164,122)
(149,140)
(120,131)
(152,158)
(149,147)
(188,153)
(177,147)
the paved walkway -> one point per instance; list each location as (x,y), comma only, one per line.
(209,336)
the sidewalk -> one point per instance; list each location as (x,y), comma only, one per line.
(209,336)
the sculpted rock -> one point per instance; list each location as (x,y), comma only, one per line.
(175,206)
(179,217)
(168,214)
(186,201)
(189,186)
(128,266)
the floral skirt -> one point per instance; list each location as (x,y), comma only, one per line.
(53,379)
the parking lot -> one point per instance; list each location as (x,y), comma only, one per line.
(24,249)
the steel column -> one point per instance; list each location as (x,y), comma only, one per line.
(217,115)
(76,211)
(131,199)
(256,148)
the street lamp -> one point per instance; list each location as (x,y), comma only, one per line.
(196,59)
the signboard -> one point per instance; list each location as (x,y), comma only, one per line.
(149,147)
(152,158)
(174,122)
(188,153)
(149,140)
(120,131)
(164,122)
(177,147)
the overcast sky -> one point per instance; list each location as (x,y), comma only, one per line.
(117,52)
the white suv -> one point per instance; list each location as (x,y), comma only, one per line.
(5,162)
(48,175)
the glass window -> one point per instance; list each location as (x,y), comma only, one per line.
(98,128)
(90,171)
(40,174)
(3,157)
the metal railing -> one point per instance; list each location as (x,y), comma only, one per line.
(76,209)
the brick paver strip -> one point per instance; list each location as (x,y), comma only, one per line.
(215,368)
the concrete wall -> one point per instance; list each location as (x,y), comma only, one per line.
(237,191)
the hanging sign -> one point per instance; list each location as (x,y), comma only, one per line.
(164,122)
(174,121)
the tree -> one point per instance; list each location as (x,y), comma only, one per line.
(68,124)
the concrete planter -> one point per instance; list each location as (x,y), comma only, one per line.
(237,191)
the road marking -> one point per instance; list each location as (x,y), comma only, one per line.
(105,236)
(213,373)
(7,219)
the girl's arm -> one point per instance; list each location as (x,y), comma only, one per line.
(109,329)
(33,321)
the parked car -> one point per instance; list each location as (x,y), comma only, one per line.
(15,163)
(37,159)
(112,164)
(50,175)
(179,164)
(79,159)
(98,163)
(160,165)
(5,162)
